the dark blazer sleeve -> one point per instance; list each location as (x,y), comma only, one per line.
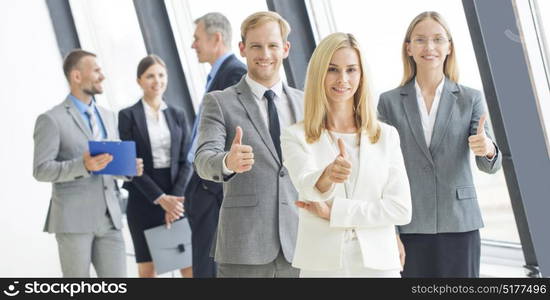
(185,169)
(234,76)
(144,183)
(230,73)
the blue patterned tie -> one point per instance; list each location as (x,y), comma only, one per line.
(94,126)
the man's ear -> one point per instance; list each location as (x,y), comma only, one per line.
(286,49)
(75,76)
(241,48)
(218,37)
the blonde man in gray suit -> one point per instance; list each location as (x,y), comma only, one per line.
(239,145)
(84,210)
(439,121)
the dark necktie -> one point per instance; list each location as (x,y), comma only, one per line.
(274,127)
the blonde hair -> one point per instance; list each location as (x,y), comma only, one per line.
(315,98)
(262,17)
(450,67)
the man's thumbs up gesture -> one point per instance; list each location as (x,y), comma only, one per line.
(240,158)
(480,144)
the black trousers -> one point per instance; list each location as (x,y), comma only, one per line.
(202,205)
(442,255)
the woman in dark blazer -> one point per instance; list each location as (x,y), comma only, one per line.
(439,121)
(160,133)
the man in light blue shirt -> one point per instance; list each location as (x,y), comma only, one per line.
(84,212)
(83,108)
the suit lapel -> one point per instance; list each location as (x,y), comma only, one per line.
(444,113)
(75,114)
(364,166)
(106,121)
(174,136)
(245,96)
(413,117)
(141,123)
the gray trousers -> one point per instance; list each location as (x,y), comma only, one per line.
(104,248)
(279,268)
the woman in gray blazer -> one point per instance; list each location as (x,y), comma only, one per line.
(439,121)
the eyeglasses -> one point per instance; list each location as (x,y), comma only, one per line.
(424,41)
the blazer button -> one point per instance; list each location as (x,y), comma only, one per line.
(105,188)
(427,168)
(282,174)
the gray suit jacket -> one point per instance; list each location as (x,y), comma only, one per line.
(79,200)
(258,216)
(443,193)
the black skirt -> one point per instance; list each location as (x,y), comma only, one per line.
(142,214)
(442,255)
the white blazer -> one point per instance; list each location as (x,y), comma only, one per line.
(380,200)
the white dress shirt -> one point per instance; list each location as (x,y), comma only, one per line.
(282,103)
(428,118)
(159,135)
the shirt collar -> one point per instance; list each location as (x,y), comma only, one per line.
(258,89)
(438,90)
(217,64)
(149,110)
(81,106)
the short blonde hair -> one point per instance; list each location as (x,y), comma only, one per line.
(315,99)
(450,68)
(262,17)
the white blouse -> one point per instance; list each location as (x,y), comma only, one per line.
(159,135)
(428,118)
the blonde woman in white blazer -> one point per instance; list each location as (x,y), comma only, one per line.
(348,169)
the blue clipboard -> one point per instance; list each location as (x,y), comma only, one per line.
(124,157)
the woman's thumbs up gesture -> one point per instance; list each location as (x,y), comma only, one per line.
(480,144)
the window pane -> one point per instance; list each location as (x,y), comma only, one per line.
(32,83)
(381,32)
(543,14)
(111,30)
(182,15)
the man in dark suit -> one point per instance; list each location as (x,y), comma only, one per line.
(212,42)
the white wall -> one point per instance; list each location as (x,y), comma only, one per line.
(32,81)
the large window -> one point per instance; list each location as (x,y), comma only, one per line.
(380,28)
(535,43)
(541,13)
(111,30)
(32,82)
(182,15)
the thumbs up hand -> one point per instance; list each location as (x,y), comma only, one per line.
(337,172)
(342,149)
(480,144)
(340,169)
(240,158)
